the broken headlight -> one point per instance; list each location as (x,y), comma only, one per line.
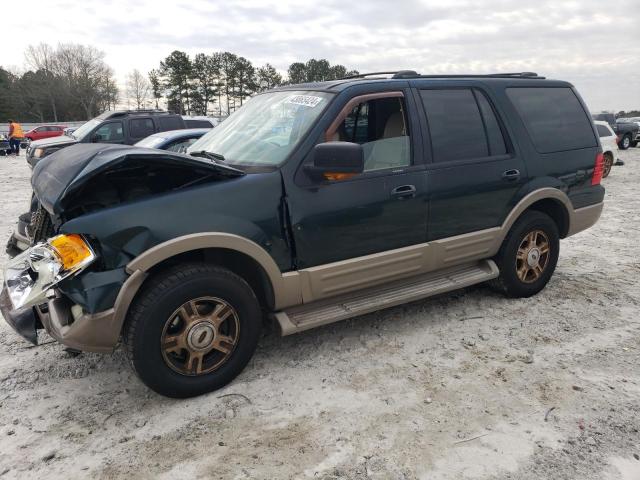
(32,273)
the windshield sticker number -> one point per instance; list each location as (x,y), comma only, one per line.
(304,100)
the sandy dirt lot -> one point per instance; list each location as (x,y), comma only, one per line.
(465,386)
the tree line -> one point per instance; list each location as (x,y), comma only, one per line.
(220,82)
(68,82)
(73,82)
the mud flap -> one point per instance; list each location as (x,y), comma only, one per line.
(23,321)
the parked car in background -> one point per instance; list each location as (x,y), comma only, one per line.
(123,127)
(609,142)
(314,203)
(5,147)
(200,121)
(173,141)
(626,132)
(44,131)
(635,120)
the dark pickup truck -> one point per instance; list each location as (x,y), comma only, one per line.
(627,132)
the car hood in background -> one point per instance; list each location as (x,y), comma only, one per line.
(58,141)
(65,171)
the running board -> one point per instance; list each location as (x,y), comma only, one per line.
(304,317)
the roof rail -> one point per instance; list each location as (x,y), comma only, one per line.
(364,75)
(412,74)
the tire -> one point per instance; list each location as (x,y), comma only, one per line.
(608,163)
(510,281)
(625,143)
(182,303)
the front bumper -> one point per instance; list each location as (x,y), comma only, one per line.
(69,324)
(24,321)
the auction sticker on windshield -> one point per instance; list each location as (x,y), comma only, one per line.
(305,100)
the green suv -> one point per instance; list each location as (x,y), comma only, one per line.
(311,204)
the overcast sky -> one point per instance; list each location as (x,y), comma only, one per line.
(595,44)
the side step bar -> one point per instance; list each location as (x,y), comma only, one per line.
(304,317)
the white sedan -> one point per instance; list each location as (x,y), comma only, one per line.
(608,140)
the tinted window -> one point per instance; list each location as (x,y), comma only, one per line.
(197,124)
(141,127)
(169,123)
(456,128)
(554,118)
(380,126)
(603,131)
(109,132)
(497,145)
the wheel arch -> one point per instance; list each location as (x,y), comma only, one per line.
(551,201)
(239,254)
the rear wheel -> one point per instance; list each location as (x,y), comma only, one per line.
(625,142)
(528,255)
(192,330)
(608,163)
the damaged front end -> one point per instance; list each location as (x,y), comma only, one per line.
(68,282)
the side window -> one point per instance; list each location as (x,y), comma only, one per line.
(171,122)
(497,144)
(110,132)
(380,126)
(181,145)
(455,125)
(603,131)
(41,129)
(554,118)
(141,127)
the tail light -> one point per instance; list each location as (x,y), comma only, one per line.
(598,169)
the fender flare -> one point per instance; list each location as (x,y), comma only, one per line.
(285,286)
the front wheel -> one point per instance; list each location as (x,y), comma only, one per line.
(528,255)
(192,330)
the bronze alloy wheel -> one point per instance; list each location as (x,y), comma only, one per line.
(532,256)
(200,336)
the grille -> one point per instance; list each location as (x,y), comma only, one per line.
(41,227)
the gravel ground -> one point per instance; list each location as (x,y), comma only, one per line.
(468,385)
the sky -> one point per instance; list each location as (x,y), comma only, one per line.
(594,44)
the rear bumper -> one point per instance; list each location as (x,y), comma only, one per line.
(583,218)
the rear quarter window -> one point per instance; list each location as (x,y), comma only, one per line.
(172,122)
(603,131)
(553,117)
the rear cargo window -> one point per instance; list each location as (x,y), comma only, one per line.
(554,118)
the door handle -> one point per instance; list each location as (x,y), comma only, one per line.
(404,191)
(511,175)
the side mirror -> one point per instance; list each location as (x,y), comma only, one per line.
(96,138)
(336,160)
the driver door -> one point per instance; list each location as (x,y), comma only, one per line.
(381,209)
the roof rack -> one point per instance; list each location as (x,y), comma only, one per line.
(412,74)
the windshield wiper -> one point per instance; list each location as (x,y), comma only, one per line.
(215,157)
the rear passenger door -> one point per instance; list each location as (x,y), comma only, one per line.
(140,128)
(475,173)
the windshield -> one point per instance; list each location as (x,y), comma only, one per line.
(266,129)
(150,142)
(80,132)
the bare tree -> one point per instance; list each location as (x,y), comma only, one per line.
(42,58)
(138,89)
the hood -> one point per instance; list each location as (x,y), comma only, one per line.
(59,141)
(66,172)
